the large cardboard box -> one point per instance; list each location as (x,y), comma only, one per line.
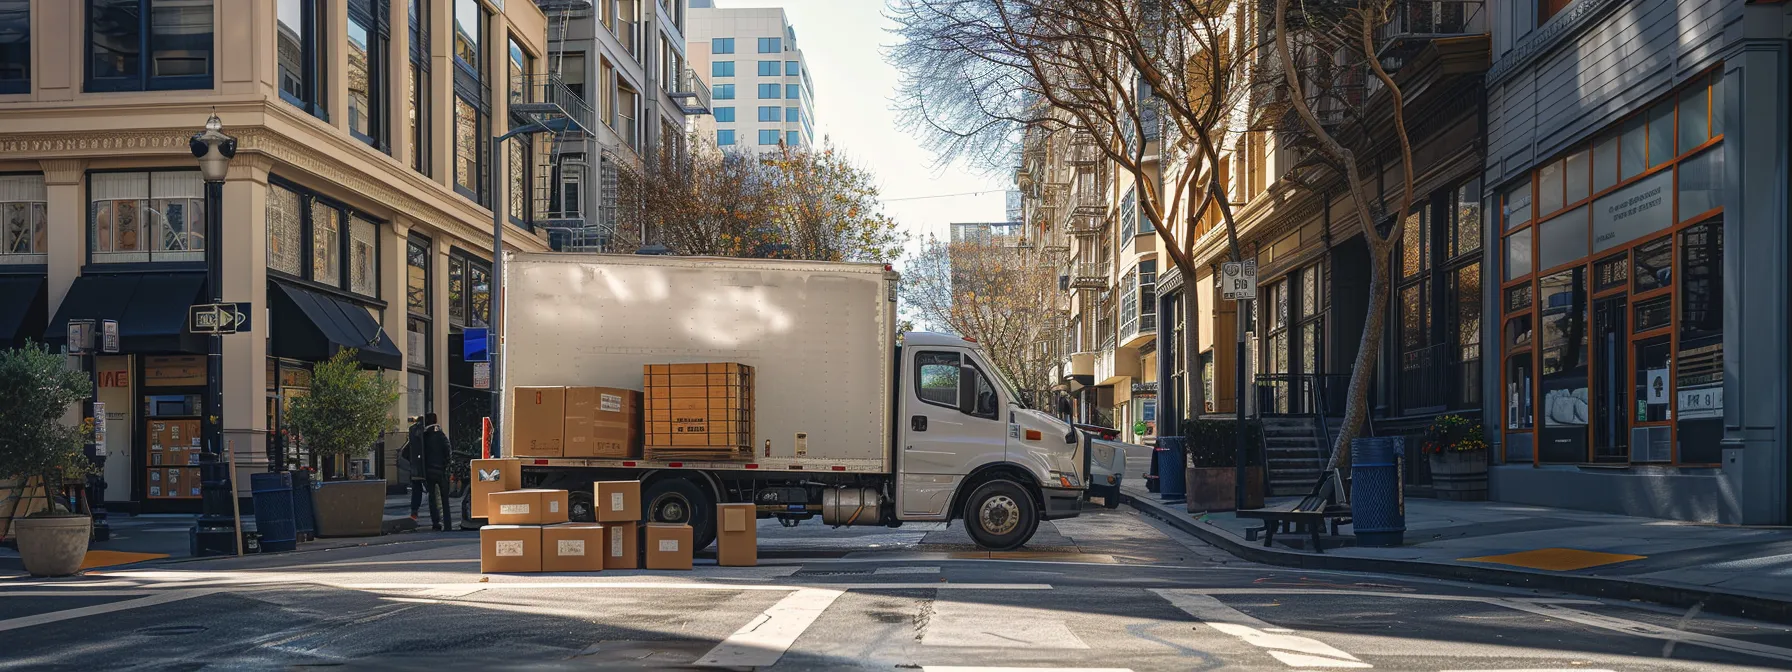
(510,548)
(538,419)
(737,535)
(668,546)
(491,476)
(603,422)
(698,411)
(573,547)
(622,545)
(617,501)
(526,507)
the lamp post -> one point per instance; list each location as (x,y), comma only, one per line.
(215,532)
(495,184)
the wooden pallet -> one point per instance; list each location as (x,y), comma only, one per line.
(698,411)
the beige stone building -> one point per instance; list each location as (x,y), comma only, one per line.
(355,212)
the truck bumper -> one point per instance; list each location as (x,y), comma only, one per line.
(1062,502)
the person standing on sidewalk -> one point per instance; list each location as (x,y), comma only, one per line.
(435,472)
(413,457)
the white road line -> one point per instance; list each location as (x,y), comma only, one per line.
(761,642)
(79,593)
(906,570)
(1377,593)
(955,668)
(1547,669)
(97,609)
(1292,650)
(1641,629)
(646,585)
(993,626)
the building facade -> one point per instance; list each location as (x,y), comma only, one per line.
(763,95)
(356,212)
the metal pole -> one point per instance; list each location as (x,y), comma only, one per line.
(96,450)
(1239,483)
(496,301)
(215,531)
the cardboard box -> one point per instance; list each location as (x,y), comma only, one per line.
(603,422)
(489,476)
(573,547)
(737,535)
(538,419)
(526,507)
(617,501)
(510,548)
(668,546)
(698,411)
(621,547)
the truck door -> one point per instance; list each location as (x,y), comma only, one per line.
(951,423)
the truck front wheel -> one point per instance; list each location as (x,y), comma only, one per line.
(1000,515)
(676,500)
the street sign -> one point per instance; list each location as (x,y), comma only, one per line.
(1238,280)
(109,336)
(80,336)
(482,375)
(99,428)
(218,318)
(474,346)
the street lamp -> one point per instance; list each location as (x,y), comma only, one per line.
(215,532)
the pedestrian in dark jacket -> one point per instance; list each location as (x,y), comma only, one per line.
(435,472)
(413,458)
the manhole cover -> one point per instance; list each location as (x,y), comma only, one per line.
(170,630)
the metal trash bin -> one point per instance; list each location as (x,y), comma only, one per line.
(304,513)
(1172,466)
(274,511)
(1377,492)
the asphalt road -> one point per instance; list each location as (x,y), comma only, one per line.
(1110,591)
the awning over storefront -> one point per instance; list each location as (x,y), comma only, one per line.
(312,326)
(151,310)
(23,309)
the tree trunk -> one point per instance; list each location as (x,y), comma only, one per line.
(1356,406)
(1194,387)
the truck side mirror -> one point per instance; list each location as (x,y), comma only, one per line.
(967,390)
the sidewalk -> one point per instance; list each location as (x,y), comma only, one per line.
(1743,571)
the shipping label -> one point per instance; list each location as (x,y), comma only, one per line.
(668,545)
(554,506)
(616,502)
(615,542)
(609,403)
(513,509)
(572,547)
(512,548)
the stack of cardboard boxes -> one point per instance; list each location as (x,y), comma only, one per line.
(577,422)
(528,530)
(699,411)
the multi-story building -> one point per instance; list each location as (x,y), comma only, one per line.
(357,211)
(764,96)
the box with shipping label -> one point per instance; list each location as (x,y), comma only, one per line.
(737,535)
(617,501)
(489,476)
(510,548)
(538,421)
(621,545)
(526,507)
(698,411)
(669,546)
(603,422)
(573,547)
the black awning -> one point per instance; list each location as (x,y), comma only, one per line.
(24,310)
(151,310)
(312,326)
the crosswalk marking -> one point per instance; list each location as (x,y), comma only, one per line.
(764,640)
(990,626)
(906,570)
(97,609)
(1292,650)
(956,668)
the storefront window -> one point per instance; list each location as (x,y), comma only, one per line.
(416,259)
(285,231)
(1701,183)
(147,217)
(363,252)
(326,245)
(1563,364)
(23,220)
(316,240)
(457,290)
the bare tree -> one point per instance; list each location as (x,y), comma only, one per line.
(992,293)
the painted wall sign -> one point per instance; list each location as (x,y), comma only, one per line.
(1634,211)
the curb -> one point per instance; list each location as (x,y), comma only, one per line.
(1731,604)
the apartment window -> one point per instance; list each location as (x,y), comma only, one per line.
(793,138)
(793,91)
(326,244)
(15,46)
(23,220)
(724,114)
(469,33)
(418,89)
(725,137)
(771,45)
(146,217)
(721,45)
(768,136)
(768,113)
(723,92)
(416,293)
(299,43)
(519,158)
(315,239)
(363,256)
(369,37)
(792,68)
(769,91)
(469,129)
(569,201)
(768,68)
(572,73)
(1129,214)
(792,115)
(721,69)
(469,291)
(149,45)
(1148,295)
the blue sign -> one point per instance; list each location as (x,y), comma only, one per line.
(473,345)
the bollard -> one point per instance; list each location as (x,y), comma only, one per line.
(1377,497)
(1172,469)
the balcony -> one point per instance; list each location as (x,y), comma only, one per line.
(1114,366)
(1078,365)
(1414,23)
(692,94)
(544,99)
(1083,150)
(550,6)
(1138,330)
(1083,225)
(1089,275)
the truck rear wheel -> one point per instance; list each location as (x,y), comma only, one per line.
(676,500)
(1000,515)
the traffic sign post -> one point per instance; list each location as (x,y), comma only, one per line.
(218,318)
(1238,280)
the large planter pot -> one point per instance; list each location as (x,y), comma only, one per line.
(1459,475)
(53,545)
(1215,488)
(350,508)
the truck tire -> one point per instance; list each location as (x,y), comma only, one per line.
(676,500)
(581,506)
(1000,515)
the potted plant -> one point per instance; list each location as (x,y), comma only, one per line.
(38,453)
(1212,465)
(1456,448)
(345,412)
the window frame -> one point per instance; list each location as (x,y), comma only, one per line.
(775,136)
(771,113)
(776,45)
(39,211)
(721,112)
(420,98)
(309,199)
(379,55)
(721,69)
(313,73)
(21,84)
(467,264)
(771,87)
(725,137)
(716,45)
(144,80)
(723,92)
(90,220)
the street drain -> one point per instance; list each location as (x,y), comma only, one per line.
(172,630)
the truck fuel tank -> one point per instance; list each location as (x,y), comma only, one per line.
(852,506)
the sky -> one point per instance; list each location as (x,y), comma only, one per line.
(843,41)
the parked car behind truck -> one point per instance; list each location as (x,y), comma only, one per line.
(851,423)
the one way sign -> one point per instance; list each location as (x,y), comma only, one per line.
(218,318)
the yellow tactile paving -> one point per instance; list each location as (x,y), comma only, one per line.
(1557,559)
(110,558)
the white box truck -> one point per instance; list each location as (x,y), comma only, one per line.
(853,424)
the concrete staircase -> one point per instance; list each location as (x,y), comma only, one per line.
(1294,456)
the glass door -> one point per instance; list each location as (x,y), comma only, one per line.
(1611,381)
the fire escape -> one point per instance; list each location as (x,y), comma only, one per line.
(557,192)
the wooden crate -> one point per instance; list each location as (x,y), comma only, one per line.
(698,411)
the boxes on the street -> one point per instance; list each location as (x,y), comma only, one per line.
(621,549)
(526,507)
(489,476)
(668,546)
(617,501)
(510,548)
(737,535)
(699,411)
(538,419)
(603,422)
(572,547)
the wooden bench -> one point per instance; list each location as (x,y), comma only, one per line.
(1307,520)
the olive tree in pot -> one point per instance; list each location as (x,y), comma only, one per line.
(1212,468)
(347,410)
(38,452)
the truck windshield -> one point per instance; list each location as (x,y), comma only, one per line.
(1008,386)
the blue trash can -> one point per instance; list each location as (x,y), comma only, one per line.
(304,516)
(274,511)
(1172,465)
(1377,493)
